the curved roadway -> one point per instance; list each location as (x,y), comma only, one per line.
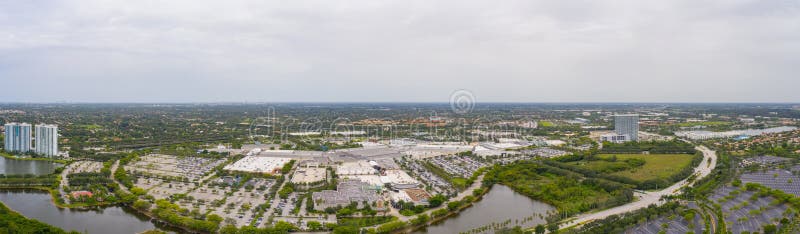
(645,198)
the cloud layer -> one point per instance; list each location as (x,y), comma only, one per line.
(404,51)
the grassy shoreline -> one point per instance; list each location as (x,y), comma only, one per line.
(9,156)
(15,218)
(54,198)
(82,206)
(442,218)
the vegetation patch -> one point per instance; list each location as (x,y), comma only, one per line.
(653,147)
(644,171)
(639,167)
(23,181)
(365,221)
(569,191)
(546,124)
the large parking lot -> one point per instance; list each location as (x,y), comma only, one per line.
(457,165)
(307,175)
(84,166)
(181,179)
(678,225)
(437,184)
(237,206)
(74,168)
(745,211)
(168,166)
(775,179)
(674,223)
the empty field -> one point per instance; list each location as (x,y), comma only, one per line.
(639,167)
(546,124)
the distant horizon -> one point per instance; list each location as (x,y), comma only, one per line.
(396,102)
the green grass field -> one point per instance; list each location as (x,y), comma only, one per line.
(546,124)
(92,127)
(655,166)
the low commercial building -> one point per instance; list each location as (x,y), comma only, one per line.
(415,196)
(423,151)
(418,196)
(309,176)
(614,138)
(79,194)
(347,192)
(399,179)
(705,135)
(257,164)
(360,167)
(373,180)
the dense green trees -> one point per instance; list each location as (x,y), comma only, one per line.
(539,229)
(88,178)
(346,230)
(141,205)
(170,213)
(654,147)
(288,166)
(279,228)
(286,190)
(391,226)
(365,221)
(420,219)
(436,200)
(723,173)
(123,177)
(618,223)
(29,180)
(570,192)
(440,212)
(644,185)
(314,225)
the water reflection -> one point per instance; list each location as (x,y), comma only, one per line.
(501,204)
(20,167)
(38,205)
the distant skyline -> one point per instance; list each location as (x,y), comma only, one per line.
(400,51)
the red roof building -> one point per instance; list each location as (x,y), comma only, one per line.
(78,194)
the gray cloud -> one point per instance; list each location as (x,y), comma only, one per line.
(521,51)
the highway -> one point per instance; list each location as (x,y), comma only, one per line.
(645,198)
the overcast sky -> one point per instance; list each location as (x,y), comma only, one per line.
(400,51)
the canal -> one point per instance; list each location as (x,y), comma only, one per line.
(10,166)
(499,205)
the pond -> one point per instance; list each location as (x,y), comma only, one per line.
(500,205)
(38,205)
(10,166)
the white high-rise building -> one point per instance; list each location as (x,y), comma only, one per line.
(18,137)
(47,140)
(627,125)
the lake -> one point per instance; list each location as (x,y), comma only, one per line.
(10,166)
(38,205)
(500,205)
